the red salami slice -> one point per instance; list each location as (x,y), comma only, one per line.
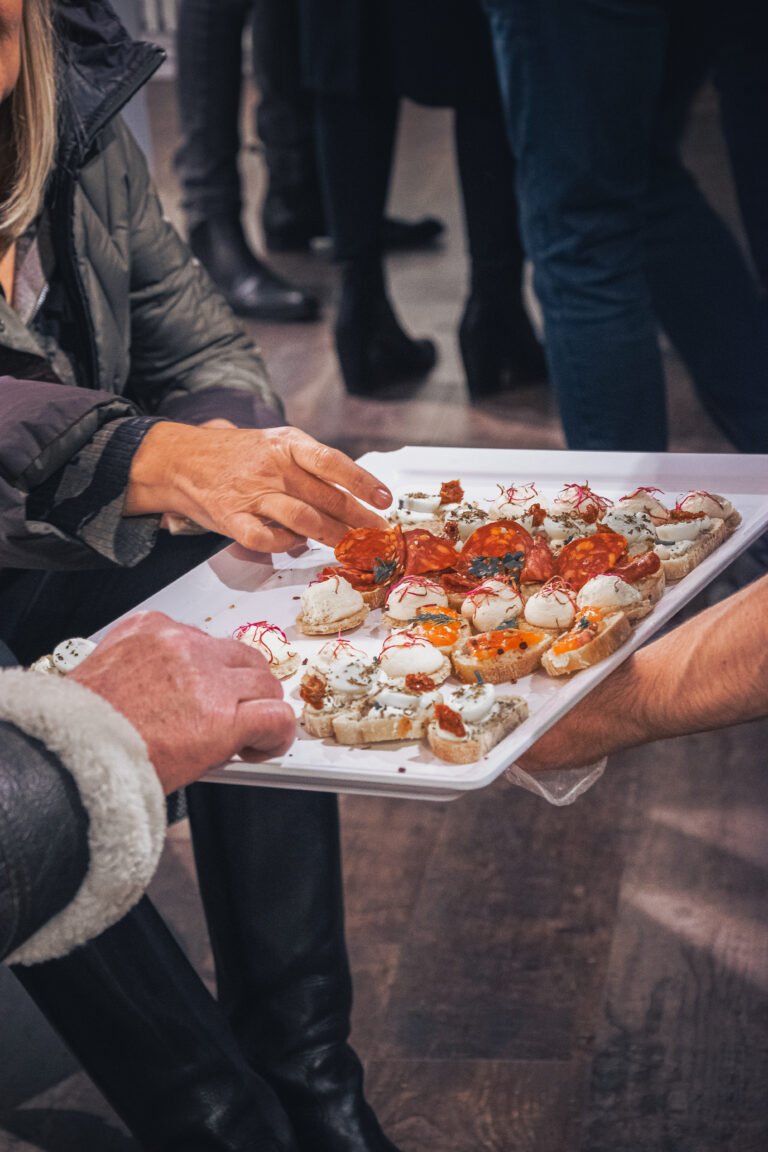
(425,552)
(363,581)
(457,582)
(539,563)
(635,568)
(590,556)
(497,539)
(375,550)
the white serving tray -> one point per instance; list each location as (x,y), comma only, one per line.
(237,586)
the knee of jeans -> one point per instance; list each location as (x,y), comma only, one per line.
(587,264)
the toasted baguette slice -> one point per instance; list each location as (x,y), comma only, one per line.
(480,738)
(501,667)
(651,588)
(676,567)
(612,633)
(323,723)
(359,727)
(318,722)
(333,626)
(732,522)
(376,597)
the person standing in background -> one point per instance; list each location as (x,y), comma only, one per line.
(210,64)
(621,238)
(359,60)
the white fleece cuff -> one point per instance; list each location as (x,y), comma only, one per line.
(119,789)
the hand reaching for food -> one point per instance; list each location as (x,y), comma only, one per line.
(268,489)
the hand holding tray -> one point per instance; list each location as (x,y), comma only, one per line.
(236,586)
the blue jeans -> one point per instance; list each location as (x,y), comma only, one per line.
(618,232)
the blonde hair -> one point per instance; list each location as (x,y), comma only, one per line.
(33,123)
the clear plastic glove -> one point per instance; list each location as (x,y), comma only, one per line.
(196,701)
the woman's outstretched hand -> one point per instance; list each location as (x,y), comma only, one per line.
(269,489)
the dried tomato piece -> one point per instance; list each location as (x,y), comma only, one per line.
(419,682)
(451,492)
(449,720)
(312,691)
(636,568)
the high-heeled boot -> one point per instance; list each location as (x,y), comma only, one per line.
(269,867)
(498,344)
(250,286)
(373,350)
(145,1029)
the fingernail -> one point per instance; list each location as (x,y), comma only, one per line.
(382,496)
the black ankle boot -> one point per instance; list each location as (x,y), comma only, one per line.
(251,287)
(269,868)
(147,1032)
(374,352)
(498,345)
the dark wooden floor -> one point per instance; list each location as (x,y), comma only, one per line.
(529,979)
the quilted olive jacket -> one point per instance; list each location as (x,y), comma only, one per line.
(150,332)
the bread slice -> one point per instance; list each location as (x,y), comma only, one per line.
(331,627)
(376,597)
(651,588)
(480,738)
(365,727)
(613,630)
(676,567)
(505,664)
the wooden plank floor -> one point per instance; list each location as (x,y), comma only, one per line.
(592,979)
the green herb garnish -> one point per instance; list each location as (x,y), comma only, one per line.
(383,570)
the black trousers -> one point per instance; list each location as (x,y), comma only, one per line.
(209,45)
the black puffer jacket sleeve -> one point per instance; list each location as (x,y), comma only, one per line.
(185,341)
(42,426)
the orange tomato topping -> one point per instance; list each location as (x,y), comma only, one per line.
(486,645)
(438,625)
(584,630)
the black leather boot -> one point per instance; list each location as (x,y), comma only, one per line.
(269,867)
(251,287)
(374,351)
(498,345)
(147,1032)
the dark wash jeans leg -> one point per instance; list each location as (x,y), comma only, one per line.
(704,294)
(580,81)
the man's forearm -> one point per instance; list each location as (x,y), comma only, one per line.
(710,672)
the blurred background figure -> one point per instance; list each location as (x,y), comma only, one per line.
(209,42)
(359,59)
(597,97)
(210,63)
